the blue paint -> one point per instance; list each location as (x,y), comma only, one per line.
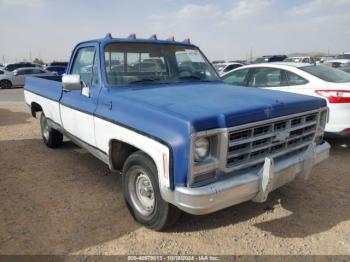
(172,112)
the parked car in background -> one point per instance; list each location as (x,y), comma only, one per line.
(56,70)
(314,80)
(65,64)
(341,64)
(17,77)
(233,146)
(14,66)
(300,59)
(270,58)
(3,71)
(223,68)
(323,59)
(343,56)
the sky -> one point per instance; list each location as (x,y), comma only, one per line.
(223,29)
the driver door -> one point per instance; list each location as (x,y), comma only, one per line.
(78,106)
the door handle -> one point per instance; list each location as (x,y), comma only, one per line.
(108,104)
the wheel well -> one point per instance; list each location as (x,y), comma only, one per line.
(119,151)
(6,80)
(35,107)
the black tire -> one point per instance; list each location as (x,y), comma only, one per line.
(51,137)
(4,84)
(163,214)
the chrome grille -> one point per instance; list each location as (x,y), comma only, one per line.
(250,146)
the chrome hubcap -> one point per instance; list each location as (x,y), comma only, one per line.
(46,131)
(141,192)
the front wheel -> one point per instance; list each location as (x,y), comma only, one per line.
(142,195)
(51,137)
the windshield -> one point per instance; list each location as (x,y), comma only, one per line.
(155,63)
(327,73)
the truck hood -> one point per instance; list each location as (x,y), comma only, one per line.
(215,105)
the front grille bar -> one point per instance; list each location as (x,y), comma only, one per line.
(250,146)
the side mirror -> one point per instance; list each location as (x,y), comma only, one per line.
(71,82)
(15,73)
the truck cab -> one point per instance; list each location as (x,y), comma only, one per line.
(157,111)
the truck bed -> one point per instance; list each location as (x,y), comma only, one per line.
(47,86)
(46,93)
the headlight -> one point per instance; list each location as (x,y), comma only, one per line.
(201,149)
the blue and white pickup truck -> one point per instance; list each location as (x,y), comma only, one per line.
(157,111)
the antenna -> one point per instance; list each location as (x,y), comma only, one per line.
(153,37)
(132,36)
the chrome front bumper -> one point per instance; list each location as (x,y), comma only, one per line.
(250,186)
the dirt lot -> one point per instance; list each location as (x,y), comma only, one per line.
(64,201)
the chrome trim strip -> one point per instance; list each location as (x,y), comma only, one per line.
(238,189)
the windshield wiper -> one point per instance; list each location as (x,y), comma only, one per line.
(144,80)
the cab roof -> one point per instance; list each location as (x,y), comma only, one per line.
(133,39)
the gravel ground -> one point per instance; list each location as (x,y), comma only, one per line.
(64,201)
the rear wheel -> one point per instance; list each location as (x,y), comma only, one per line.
(51,137)
(142,195)
(4,84)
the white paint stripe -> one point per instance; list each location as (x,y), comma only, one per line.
(82,126)
(50,107)
(107,131)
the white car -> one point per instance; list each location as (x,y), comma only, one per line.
(223,68)
(300,59)
(341,64)
(17,77)
(314,80)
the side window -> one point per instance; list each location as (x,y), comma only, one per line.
(236,77)
(1,72)
(83,63)
(229,68)
(29,72)
(295,80)
(95,68)
(36,71)
(22,72)
(267,77)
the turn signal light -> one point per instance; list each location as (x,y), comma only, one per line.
(347,130)
(335,96)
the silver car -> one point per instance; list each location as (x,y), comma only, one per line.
(17,77)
